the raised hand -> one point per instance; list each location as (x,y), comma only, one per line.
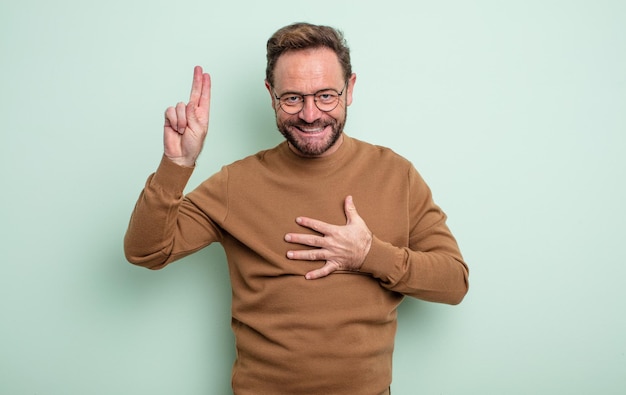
(342,247)
(186,125)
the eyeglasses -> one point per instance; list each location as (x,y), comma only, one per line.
(325,100)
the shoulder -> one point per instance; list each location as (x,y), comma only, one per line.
(380,153)
(256,159)
(252,166)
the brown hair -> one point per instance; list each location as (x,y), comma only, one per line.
(299,36)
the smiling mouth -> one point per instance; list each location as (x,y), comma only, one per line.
(311,129)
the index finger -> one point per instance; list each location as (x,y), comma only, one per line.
(201,88)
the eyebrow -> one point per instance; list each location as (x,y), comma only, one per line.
(302,94)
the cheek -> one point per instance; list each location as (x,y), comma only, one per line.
(337,115)
(284,118)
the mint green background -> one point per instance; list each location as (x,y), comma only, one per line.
(513,111)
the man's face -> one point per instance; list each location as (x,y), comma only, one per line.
(311,132)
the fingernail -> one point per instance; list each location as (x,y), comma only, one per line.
(289,254)
(287,237)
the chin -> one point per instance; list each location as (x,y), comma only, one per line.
(315,147)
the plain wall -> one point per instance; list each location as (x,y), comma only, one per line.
(513,112)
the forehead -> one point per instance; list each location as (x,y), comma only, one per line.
(308,70)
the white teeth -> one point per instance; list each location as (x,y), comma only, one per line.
(311,130)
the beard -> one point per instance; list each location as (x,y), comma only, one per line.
(311,147)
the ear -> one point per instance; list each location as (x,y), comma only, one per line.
(272,98)
(350,88)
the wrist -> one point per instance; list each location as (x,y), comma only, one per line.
(171,177)
(182,161)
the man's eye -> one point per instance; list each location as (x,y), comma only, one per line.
(326,97)
(292,99)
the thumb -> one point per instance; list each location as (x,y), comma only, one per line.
(350,209)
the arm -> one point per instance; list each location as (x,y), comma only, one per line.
(154,236)
(430,268)
(434,271)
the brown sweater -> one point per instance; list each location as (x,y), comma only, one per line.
(333,335)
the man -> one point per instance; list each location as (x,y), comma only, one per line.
(315,282)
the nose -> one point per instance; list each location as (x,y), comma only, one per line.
(309,113)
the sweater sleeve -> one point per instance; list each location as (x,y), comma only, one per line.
(165,225)
(431,268)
